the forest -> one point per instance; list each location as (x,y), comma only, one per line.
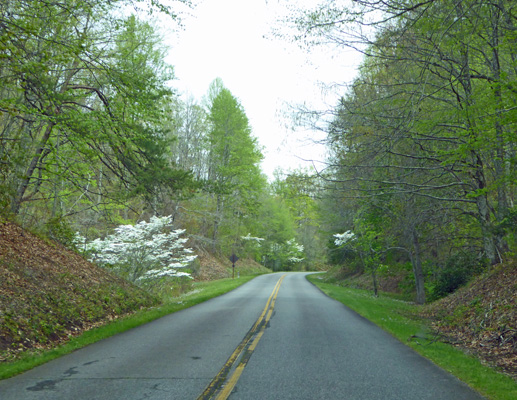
(422,145)
(98,151)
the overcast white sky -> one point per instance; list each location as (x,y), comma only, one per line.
(231,39)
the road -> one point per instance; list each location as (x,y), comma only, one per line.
(276,337)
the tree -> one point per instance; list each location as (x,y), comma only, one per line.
(427,126)
(145,252)
(82,105)
(299,191)
(279,249)
(190,130)
(234,175)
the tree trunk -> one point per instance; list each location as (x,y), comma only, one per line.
(217,219)
(22,188)
(39,154)
(500,159)
(478,170)
(417,269)
(489,244)
(374,281)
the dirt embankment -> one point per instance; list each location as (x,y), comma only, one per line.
(48,293)
(212,268)
(482,317)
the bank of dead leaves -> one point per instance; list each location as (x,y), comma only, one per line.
(482,317)
(212,267)
(48,293)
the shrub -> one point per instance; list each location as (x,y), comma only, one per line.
(58,229)
(458,270)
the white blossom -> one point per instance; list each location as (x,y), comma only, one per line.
(294,251)
(342,238)
(250,238)
(295,246)
(147,250)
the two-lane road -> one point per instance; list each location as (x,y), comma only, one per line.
(272,338)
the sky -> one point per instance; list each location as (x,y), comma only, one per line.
(232,40)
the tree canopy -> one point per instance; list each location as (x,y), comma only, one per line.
(421,145)
(424,136)
(83,99)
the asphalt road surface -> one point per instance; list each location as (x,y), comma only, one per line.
(276,337)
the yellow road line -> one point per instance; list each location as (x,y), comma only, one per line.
(230,384)
(220,378)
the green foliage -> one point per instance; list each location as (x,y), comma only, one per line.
(83,103)
(282,256)
(234,180)
(422,144)
(59,230)
(458,270)
(298,191)
(277,228)
(234,152)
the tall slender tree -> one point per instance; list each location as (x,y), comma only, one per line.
(234,172)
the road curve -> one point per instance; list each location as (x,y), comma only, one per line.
(292,342)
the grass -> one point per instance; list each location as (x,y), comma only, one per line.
(401,319)
(202,291)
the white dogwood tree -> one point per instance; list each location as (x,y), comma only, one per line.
(143,252)
(343,238)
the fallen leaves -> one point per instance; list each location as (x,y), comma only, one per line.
(48,293)
(482,317)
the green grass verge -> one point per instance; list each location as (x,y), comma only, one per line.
(202,291)
(401,319)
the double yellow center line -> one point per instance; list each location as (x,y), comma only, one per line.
(220,387)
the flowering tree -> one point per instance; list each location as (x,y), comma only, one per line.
(365,244)
(283,256)
(252,245)
(343,238)
(143,252)
(294,251)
